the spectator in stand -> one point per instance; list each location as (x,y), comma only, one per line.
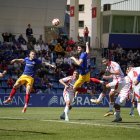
(71,42)
(10,82)
(29,32)
(21,40)
(46,84)
(37,47)
(6,37)
(86,32)
(30,46)
(58,49)
(68,49)
(59,60)
(40,40)
(130,55)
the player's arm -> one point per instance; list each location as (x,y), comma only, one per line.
(63,83)
(87,48)
(3,73)
(48,64)
(17,61)
(116,72)
(77,61)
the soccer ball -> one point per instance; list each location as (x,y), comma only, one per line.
(55,22)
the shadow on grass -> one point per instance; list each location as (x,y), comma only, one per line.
(24,131)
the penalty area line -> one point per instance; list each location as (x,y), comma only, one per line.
(114,125)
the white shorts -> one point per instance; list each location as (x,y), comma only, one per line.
(124,89)
(114,84)
(120,100)
(68,96)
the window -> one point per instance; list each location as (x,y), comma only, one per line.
(137,30)
(81,24)
(122,24)
(68,8)
(81,7)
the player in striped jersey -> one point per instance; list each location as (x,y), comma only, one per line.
(114,72)
(133,74)
(68,92)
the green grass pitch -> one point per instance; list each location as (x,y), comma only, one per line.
(85,124)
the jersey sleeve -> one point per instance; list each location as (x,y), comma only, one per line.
(83,55)
(66,79)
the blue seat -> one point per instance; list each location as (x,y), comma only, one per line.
(55,84)
(59,91)
(2,90)
(4,84)
(61,86)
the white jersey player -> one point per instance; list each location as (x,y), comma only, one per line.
(123,89)
(133,73)
(116,74)
(68,92)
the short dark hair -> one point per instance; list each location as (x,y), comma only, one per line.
(130,64)
(81,44)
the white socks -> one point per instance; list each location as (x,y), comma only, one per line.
(111,106)
(66,110)
(101,96)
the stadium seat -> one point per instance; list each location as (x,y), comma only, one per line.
(2,91)
(4,84)
(61,86)
(55,84)
(59,91)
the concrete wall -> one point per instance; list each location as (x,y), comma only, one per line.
(16,14)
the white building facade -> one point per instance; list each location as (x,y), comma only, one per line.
(98,37)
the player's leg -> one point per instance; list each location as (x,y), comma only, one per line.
(29,85)
(120,101)
(27,98)
(62,116)
(101,96)
(13,91)
(68,99)
(81,80)
(78,84)
(113,85)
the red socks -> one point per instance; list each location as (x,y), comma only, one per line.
(27,98)
(13,92)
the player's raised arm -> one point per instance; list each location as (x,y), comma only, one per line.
(17,61)
(77,61)
(48,64)
(87,47)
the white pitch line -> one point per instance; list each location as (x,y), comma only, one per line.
(114,125)
(94,124)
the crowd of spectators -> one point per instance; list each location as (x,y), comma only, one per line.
(122,55)
(58,52)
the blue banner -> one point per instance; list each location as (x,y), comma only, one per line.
(51,100)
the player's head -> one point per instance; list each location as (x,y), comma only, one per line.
(75,74)
(32,54)
(105,61)
(129,67)
(80,47)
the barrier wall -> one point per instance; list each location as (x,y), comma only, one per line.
(51,100)
(125,40)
